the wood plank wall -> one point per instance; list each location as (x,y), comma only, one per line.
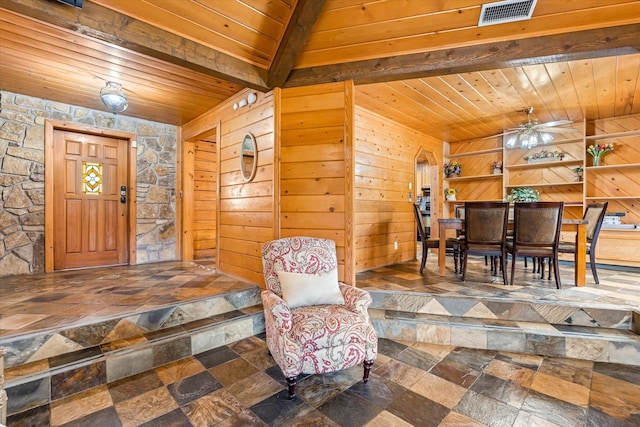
(315,146)
(204,201)
(385,165)
(246,215)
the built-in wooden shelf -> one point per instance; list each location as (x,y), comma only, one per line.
(467,178)
(475,153)
(545,164)
(590,169)
(544,184)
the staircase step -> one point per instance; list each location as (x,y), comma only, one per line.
(546,328)
(120,331)
(482,307)
(168,334)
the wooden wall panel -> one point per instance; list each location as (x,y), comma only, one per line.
(385,167)
(313,172)
(245,217)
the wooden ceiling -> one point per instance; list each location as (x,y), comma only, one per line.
(423,63)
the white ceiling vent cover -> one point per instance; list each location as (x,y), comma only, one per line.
(506,11)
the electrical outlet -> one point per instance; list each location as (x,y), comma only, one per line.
(395,246)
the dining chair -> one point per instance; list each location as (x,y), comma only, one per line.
(536,233)
(595,213)
(432,243)
(485,226)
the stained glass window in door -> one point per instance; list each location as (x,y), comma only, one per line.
(92,178)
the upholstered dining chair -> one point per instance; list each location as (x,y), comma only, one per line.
(595,213)
(536,233)
(432,243)
(314,323)
(485,232)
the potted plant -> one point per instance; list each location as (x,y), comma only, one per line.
(452,168)
(578,170)
(523,194)
(450,193)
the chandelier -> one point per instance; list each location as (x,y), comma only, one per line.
(528,138)
(532,133)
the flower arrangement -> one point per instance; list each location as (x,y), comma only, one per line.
(546,154)
(452,168)
(496,165)
(523,194)
(598,150)
(450,191)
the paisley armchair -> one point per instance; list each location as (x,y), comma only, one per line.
(314,324)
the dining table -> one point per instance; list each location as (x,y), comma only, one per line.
(579,226)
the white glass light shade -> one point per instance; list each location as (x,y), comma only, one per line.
(528,138)
(113,98)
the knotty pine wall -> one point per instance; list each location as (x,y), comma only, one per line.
(246,210)
(385,164)
(315,167)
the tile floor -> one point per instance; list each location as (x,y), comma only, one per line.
(411,384)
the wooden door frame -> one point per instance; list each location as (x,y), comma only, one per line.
(50,126)
(186,173)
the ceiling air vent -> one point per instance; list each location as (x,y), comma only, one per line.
(506,11)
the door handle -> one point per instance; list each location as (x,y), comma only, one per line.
(123,194)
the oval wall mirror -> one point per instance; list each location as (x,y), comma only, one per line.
(248,157)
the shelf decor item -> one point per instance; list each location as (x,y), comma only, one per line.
(496,168)
(523,194)
(578,171)
(450,194)
(545,156)
(452,169)
(599,150)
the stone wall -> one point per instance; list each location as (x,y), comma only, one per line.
(22,183)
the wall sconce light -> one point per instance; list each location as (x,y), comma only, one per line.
(113,98)
(251,99)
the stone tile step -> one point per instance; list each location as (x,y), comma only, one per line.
(571,341)
(476,307)
(44,381)
(120,331)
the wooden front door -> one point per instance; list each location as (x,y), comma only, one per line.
(90,213)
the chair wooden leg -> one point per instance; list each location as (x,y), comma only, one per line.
(503,267)
(425,252)
(456,257)
(556,271)
(463,265)
(367,369)
(592,263)
(513,267)
(291,382)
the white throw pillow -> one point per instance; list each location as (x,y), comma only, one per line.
(299,289)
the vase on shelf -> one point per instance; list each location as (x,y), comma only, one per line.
(452,175)
(451,197)
(596,160)
(497,171)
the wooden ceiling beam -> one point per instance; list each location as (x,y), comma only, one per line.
(300,25)
(120,30)
(547,49)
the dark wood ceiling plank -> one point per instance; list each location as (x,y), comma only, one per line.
(561,47)
(300,25)
(104,24)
